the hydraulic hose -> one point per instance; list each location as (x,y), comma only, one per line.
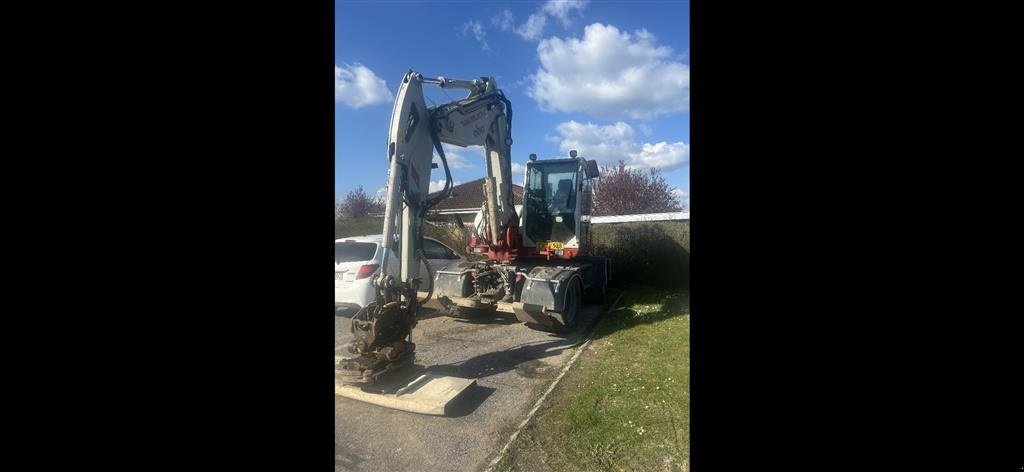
(430,274)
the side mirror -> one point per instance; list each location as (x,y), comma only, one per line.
(590,168)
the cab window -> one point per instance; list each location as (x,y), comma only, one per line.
(551,201)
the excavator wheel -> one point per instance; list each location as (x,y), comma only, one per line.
(565,321)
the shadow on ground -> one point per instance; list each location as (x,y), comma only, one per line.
(497,317)
(528,356)
(468,401)
(428,312)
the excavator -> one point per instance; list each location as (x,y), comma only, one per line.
(538,264)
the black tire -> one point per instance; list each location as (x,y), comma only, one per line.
(565,321)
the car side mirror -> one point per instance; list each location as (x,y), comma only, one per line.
(590,168)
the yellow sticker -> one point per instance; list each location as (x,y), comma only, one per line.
(555,246)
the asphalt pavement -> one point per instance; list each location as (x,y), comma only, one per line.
(513,364)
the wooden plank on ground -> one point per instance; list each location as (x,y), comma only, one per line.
(428,394)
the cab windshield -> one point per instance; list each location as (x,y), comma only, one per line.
(550,198)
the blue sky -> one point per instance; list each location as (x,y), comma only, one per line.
(610,79)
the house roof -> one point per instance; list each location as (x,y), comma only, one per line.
(470,196)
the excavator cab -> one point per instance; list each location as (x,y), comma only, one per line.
(556,206)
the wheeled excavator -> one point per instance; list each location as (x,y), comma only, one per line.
(538,264)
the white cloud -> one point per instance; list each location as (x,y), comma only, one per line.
(560,9)
(357,86)
(608,144)
(459,157)
(478,32)
(610,74)
(505,21)
(663,155)
(533,28)
(438,185)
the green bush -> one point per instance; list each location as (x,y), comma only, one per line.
(655,253)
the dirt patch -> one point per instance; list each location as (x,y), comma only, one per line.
(533,369)
(453,326)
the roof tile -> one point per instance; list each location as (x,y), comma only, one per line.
(471,195)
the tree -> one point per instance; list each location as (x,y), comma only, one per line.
(624,191)
(357,204)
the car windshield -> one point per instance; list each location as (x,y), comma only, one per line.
(352,251)
(551,202)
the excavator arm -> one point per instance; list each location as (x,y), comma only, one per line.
(382,329)
(484,118)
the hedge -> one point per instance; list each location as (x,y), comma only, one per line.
(347,227)
(657,253)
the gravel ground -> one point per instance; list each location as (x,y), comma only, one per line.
(512,365)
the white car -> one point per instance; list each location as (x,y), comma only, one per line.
(357,259)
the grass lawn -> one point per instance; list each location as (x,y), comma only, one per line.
(625,405)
